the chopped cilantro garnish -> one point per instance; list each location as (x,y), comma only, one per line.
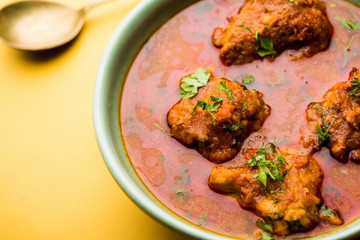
(200,104)
(182,182)
(248,80)
(215,103)
(349,24)
(332,5)
(246,28)
(188,215)
(356,91)
(266,46)
(186,180)
(162,129)
(211,107)
(203,219)
(323,136)
(267,167)
(263,46)
(183,169)
(264,228)
(183,193)
(233,127)
(327,212)
(355,82)
(312,104)
(347,47)
(177,191)
(228,91)
(190,84)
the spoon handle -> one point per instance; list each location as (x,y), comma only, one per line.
(93,4)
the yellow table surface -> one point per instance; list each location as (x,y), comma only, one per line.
(54,183)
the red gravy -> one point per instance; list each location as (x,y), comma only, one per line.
(178,176)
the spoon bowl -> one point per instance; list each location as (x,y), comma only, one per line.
(39,25)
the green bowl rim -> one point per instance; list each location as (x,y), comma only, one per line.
(116,45)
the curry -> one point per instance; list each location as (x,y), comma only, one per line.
(286,91)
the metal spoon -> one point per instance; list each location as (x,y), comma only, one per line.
(40,25)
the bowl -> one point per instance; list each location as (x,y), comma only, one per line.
(122,49)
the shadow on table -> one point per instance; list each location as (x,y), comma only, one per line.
(158,231)
(169,234)
(46,55)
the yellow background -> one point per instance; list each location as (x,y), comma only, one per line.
(53,181)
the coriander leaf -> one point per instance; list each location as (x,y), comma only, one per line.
(327,212)
(268,227)
(203,219)
(267,167)
(211,107)
(252,162)
(267,47)
(281,158)
(323,136)
(347,47)
(216,99)
(349,24)
(263,46)
(262,177)
(264,52)
(355,82)
(177,191)
(261,151)
(190,84)
(356,91)
(266,236)
(200,104)
(248,80)
(256,43)
(212,115)
(183,192)
(188,215)
(265,227)
(282,176)
(215,103)
(189,87)
(263,166)
(162,129)
(186,95)
(215,107)
(246,28)
(233,127)
(224,88)
(183,169)
(186,180)
(312,104)
(202,76)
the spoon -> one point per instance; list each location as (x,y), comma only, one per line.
(39,25)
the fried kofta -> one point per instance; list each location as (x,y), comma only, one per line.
(335,122)
(265,28)
(218,118)
(280,186)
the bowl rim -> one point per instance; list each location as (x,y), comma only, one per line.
(102,106)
